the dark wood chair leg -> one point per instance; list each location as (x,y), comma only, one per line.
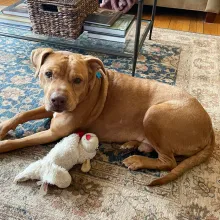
(210,17)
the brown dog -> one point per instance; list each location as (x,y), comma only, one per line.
(118,108)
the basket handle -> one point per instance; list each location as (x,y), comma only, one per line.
(49,7)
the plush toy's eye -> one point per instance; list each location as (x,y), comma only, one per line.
(49,74)
(77,80)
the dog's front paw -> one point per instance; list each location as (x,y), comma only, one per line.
(5,146)
(5,127)
(134,162)
(3,131)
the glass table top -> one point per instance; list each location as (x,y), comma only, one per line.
(83,41)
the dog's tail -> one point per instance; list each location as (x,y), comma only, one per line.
(187,164)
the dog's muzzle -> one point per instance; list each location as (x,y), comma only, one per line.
(58,102)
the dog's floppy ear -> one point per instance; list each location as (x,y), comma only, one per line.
(98,80)
(38,56)
(94,64)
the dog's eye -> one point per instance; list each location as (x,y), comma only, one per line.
(77,81)
(48,74)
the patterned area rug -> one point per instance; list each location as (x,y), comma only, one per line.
(110,191)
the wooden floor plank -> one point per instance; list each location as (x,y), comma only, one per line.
(200,23)
(146,16)
(199,27)
(7,2)
(218,30)
(186,23)
(192,26)
(173,22)
(164,21)
(210,28)
(179,24)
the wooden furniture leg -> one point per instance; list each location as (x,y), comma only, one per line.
(210,17)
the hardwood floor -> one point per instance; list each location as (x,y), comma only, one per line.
(7,2)
(183,20)
(175,19)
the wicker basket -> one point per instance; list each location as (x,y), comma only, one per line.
(61,18)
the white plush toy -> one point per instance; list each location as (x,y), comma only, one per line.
(53,168)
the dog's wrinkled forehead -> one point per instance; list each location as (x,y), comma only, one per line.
(67,59)
(76,65)
(70,61)
(62,58)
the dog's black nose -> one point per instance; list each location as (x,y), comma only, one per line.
(58,101)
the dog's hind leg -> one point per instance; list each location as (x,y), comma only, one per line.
(136,162)
(21,118)
(175,128)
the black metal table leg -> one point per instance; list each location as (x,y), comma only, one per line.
(152,18)
(138,30)
(137,35)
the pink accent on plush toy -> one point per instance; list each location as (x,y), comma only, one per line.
(88,137)
(80,133)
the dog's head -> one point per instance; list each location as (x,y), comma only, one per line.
(66,77)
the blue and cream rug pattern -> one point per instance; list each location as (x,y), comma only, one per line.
(110,191)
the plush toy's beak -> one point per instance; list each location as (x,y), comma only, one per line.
(88,137)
